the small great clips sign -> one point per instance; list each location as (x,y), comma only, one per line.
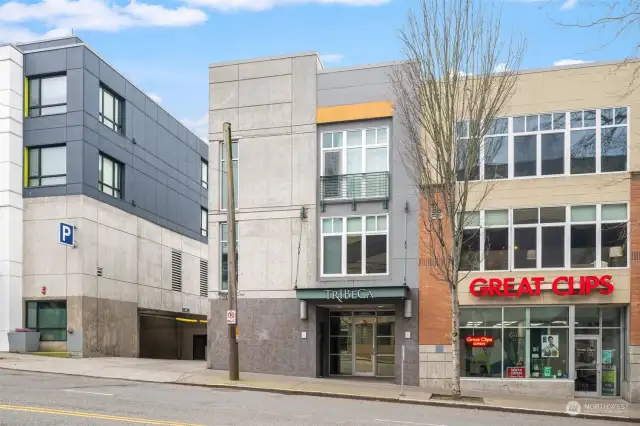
(479,341)
(532,286)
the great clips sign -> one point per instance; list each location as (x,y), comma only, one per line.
(532,286)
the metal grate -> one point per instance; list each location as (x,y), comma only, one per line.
(204,278)
(635,255)
(176,270)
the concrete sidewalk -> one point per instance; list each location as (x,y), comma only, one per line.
(195,373)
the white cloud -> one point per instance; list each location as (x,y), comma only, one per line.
(258,5)
(569,4)
(10,34)
(330,58)
(199,126)
(501,67)
(154,97)
(97,15)
(564,62)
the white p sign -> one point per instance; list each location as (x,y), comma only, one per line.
(65,234)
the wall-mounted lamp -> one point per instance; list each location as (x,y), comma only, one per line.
(408,308)
(303,310)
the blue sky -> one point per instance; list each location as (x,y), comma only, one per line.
(165,46)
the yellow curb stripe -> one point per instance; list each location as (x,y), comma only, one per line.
(89,415)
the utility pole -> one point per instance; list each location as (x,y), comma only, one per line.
(234,363)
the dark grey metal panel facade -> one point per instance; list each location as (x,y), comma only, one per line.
(161,158)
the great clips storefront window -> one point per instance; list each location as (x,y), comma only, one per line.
(524,342)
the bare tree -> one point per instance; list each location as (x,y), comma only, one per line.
(457,78)
(621,15)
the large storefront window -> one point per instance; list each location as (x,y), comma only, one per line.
(540,343)
(49,318)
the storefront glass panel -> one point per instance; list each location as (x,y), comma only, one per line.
(611,358)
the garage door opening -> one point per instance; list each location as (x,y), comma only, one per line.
(167,335)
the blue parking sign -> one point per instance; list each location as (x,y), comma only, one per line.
(65,234)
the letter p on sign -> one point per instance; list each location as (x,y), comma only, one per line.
(65,234)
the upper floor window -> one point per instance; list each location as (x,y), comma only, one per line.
(110,176)
(581,236)
(224,198)
(356,245)
(47,95)
(47,166)
(224,252)
(204,174)
(111,109)
(204,222)
(559,143)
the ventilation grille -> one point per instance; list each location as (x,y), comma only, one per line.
(635,255)
(204,274)
(176,270)
(99,271)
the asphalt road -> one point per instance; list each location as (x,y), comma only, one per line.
(47,399)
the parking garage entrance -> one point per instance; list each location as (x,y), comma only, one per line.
(169,335)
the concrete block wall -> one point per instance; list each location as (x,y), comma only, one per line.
(271,106)
(11,204)
(135,260)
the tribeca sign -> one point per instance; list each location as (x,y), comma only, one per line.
(562,286)
(348,294)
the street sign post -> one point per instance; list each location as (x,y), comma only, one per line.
(66,234)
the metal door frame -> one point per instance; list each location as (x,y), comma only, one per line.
(373,346)
(598,339)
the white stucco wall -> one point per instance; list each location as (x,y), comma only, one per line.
(11,149)
(134,254)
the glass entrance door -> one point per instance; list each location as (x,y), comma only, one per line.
(588,366)
(365,347)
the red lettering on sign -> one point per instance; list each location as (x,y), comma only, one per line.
(516,372)
(506,287)
(479,341)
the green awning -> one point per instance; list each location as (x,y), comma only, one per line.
(360,294)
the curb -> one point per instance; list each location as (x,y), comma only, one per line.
(373,398)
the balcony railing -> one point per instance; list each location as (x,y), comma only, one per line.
(355,187)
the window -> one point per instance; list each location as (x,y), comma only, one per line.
(362,155)
(558,143)
(204,222)
(49,318)
(204,173)
(356,245)
(110,176)
(47,95)
(47,166)
(224,250)
(224,198)
(534,338)
(111,112)
(546,237)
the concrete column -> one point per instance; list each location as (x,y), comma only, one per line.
(11,206)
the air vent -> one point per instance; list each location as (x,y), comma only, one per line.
(204,280)
(176,270)
(635,255)
(99,271)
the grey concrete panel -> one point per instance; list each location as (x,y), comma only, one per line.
(354,77)
(173,126)
(257,91)
(75,57)
(151,109)
(91,95)
(304,90)
(45,136)
(135,96)
(163,118)
(138,126)
(264,116)
(270,337)
(182,133)
(222,74)
(75,118)
(75,100)
(90,169)
(75,160)
(224,95)
(354,95)
(110,327)
(151,133)
(74,189)
(45,122)
(26,47)
(128,120)
(75,133)
(45,191)
(91,62)
(114,81)
(47,62)
(266,68)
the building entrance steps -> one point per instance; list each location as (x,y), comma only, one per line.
(195,373)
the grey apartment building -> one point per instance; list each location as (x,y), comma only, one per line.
(103,210)
(327,221)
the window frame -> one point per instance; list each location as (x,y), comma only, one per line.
(226,241)
(118,178)
(40,106)
(204,173)
(511,135)
(344,234)
(598,222)
(39,176)
(117,124)
(37,319)
(204,220)
(223,170)
(363,148)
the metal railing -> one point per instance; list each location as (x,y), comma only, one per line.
(356,186)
